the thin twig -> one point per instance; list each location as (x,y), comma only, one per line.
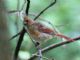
(15,36)
(18,10)
(23,5)
(17,15)
(44,57)
(45,9)
(46,49)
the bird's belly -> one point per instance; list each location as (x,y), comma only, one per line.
(42,37)
(39,36)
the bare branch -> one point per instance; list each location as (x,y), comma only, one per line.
(15,36)
(55,46)
(45,9)
(19,44)
(27,7)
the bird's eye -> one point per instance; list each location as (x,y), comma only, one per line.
(27,21)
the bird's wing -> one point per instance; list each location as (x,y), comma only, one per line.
(42,28)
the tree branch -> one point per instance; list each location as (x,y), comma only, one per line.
(27,7)
(55,46)
(45,9)
(19,44)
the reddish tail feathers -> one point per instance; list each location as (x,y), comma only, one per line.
(65,37)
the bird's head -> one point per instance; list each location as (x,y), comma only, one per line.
(28,21)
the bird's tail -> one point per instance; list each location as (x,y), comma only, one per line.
(64,37)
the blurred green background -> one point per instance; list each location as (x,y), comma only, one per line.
(65,15)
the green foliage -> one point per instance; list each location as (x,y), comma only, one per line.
(64,12)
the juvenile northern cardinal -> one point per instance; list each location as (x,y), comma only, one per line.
(40,32)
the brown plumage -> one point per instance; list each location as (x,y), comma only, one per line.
(40,32)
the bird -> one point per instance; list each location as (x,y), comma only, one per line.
(39,32)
